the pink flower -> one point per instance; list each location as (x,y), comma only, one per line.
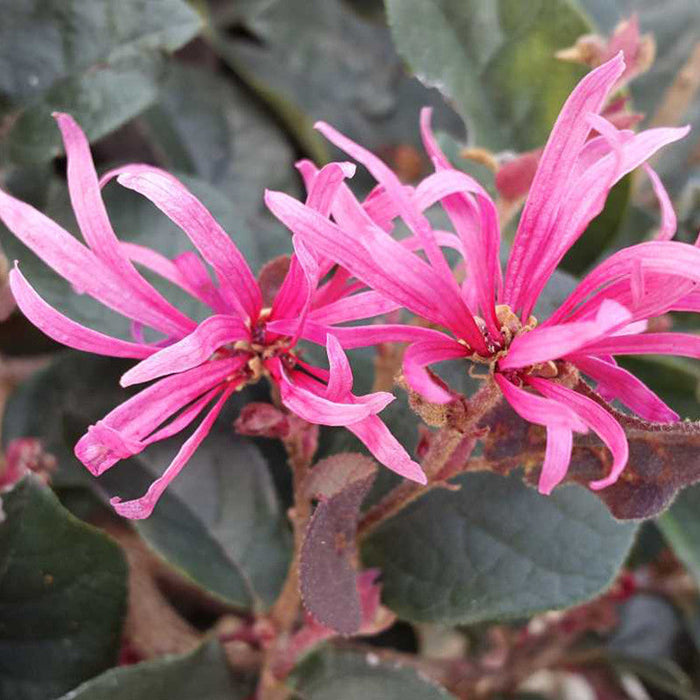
(488,319)
(197,366)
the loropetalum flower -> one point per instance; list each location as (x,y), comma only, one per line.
(196,366)
(489,319)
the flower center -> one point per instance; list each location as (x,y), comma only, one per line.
(511,327)
(262,347)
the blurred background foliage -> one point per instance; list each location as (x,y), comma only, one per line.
(224,93)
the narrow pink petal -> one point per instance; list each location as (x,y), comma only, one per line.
(158,263)
(138,417)
(475,222)
(140,508)
(583,200)
(557,457)
(553,174)
(187,415)
(680,344)
(413,217)
(340,375)
(553,342)
(325,186)
(179,204)
(192,351)
(539,410)
(308,171)
(63,330)
(586,197)
(688,302)
(352,308)
(80,266)
(134,169)
(187,272)
(384,265)
(445,239)
(617,383)
(419,355)
(318,409)
(351,337)
(195,272)
(386,448)
(293,301)
(96,228)
(597,419)
(672,258)
(668,216)
(291,296)
(381,208)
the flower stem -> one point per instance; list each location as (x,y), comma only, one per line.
(285,611)
(447,456)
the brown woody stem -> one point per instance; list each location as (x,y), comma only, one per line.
(286,608)
(446,443)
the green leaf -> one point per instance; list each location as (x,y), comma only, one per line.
(100,101)
(318,59)
(496,549)
(680,525)
(62,596)
(494,60)
(219,524)
(202,674)
(100,60)
(344,675)
(208,126)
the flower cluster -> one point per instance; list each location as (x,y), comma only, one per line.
(489,318)
(348,266)
(197,366)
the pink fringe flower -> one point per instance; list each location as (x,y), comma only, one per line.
(489,319)
(196,366)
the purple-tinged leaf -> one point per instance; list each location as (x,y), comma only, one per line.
(664,458)
(328,571)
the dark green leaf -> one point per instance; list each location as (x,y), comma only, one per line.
(210,127)
(494,60)
(98,59)
(203,674)
(100,100)
(344,675)
(321,60)
(62,596)
(220,523)
(680,525)
(496,549)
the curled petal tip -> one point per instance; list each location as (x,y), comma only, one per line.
(138,509)
(601,484)
(417,475)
